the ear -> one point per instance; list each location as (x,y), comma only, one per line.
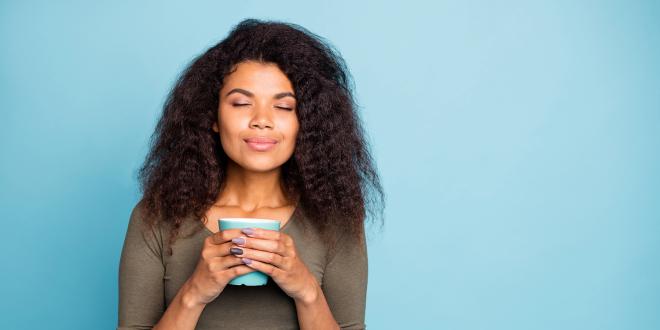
(215,127)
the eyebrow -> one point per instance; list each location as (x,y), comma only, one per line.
(250,94)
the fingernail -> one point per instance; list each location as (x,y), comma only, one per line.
(236,251)
(238,241)
(248,231)
(247,261)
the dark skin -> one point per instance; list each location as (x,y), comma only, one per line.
(256,100)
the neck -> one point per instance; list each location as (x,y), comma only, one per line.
(251,190)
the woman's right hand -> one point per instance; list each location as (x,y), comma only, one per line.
(216,267)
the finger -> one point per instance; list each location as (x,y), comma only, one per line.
(263,233)
(275,246)
(223,236)
(217,264)
(265,268)
(263,256)
(217,250)
(237,271)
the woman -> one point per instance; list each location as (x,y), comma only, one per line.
(261,125)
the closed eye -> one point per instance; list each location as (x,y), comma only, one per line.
(246,104)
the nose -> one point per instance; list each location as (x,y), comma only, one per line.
(261,118)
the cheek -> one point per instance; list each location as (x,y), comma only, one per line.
(293,138)
(290,129)
(230,124)
(229,129)
(294,134)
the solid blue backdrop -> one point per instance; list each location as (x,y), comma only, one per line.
(518,144)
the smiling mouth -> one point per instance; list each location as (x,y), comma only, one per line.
(261,144)
(260,139)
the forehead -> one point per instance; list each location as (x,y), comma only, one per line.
(257,76)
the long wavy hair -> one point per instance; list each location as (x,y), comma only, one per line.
(331,173)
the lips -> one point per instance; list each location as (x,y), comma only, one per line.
(261,143)
(260,139)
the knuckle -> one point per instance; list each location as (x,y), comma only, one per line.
(235,271)
(212,267)
(271,270)
(209,267)
(218,277)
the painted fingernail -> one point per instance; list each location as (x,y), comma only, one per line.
(247,261)
(236,251)
(238,241)
(248,231)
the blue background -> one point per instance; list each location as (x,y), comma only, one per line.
(518,143)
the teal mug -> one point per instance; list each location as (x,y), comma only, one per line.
(255,278)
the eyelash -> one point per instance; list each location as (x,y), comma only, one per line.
(243,104)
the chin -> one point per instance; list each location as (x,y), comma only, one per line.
(255,166)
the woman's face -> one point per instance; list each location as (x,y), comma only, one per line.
(257,120)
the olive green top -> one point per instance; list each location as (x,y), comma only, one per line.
(149,278)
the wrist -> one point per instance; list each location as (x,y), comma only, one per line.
(189,299)
(311,295)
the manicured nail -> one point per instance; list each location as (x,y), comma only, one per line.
(248,231)
(236,251)
(238,241)
(247,261)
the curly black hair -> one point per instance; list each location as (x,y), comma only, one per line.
(331,173)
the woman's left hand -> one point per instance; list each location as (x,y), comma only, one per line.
(274,253)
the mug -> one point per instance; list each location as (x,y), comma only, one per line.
(255,278)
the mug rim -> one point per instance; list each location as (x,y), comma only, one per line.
(252,220)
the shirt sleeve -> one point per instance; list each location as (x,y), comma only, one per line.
(141,270)
(345,284)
